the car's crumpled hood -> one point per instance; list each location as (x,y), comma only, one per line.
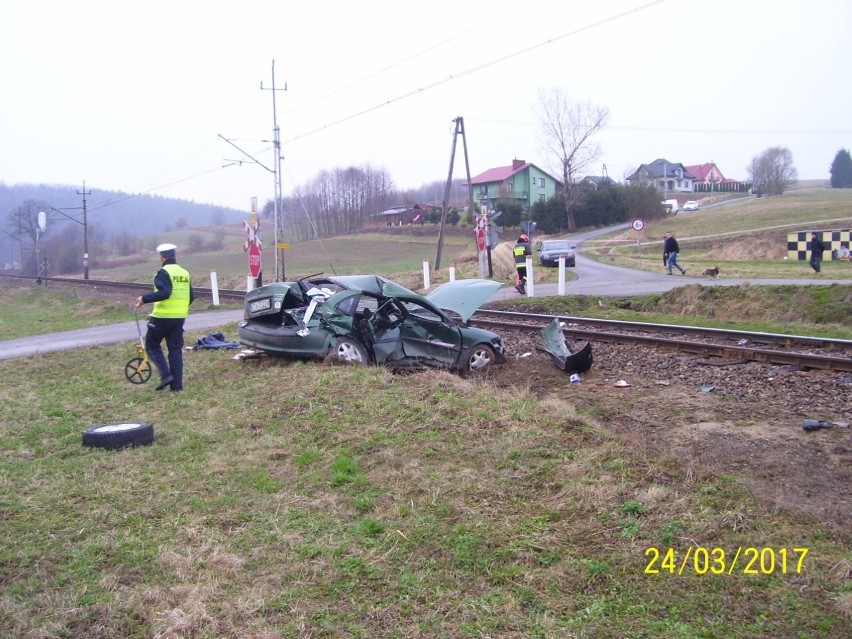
(463,297)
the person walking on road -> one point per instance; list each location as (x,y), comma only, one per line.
(521,251)
(671,249)
(817,249)
(171,297)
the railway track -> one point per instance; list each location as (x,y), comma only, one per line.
(789,350)
(805,352)
(229,296)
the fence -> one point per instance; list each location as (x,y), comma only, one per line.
(837,243)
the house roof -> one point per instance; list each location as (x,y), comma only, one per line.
(597,180)
(502,173)
(701,171)
(499,173)
(662,168)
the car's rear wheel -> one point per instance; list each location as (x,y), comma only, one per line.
(349,350)
(480,359)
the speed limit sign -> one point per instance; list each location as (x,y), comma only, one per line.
(638,224)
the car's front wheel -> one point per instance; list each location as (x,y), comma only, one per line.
(480,359)
(349,350)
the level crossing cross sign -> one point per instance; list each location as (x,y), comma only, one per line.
(252,245)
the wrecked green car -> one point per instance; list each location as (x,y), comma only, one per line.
(368,319)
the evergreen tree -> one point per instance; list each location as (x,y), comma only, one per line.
(841,170)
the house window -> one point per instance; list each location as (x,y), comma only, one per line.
(678,184)
(510,187)
(541,182)
(541,197)
(483,189)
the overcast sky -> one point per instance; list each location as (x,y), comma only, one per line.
(133,96)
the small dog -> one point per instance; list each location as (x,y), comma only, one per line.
(712,272)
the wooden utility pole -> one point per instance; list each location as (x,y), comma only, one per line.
(458,131)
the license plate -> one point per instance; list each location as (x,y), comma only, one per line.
(259,305)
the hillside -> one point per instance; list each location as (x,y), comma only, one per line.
(110,214)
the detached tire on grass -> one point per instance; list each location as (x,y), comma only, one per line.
(121,435)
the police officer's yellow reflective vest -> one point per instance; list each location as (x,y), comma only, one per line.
(177,304)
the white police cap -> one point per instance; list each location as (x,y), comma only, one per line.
(162,248)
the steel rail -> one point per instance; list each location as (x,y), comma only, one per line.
(703,349)
(735,335)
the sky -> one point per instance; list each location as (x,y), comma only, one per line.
(174,98)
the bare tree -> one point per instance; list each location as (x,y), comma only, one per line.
(567,129)
(23,223)
(772,172)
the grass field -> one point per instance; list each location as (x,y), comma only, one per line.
(311,500)
(345,255)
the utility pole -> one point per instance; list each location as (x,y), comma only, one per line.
(84,193)
(276,172)
(458,131)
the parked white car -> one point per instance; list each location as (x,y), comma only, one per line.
(692,205)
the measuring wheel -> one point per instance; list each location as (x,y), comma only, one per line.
(138,370)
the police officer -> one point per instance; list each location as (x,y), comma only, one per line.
(521,250)
(172,296)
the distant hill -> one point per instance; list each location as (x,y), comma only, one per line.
(109,213)
(114,211)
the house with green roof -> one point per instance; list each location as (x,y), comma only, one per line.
(521,181)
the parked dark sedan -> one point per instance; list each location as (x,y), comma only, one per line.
(369,319)
(551,250)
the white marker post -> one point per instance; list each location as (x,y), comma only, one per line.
(214,286)
(561,287)
(452,273)
(426,281)
(530,278)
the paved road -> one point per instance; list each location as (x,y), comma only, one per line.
(111,334)
(597,278)
(593,278)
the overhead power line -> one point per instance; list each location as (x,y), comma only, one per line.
(480,67)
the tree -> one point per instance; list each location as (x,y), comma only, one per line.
(841,170)
(772,172)
(512,210)
(567,129)
(549,216)
(23,223)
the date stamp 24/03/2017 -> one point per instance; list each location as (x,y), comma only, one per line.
(745,560)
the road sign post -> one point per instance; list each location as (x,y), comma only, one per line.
(638,224)
(254,260)
(253,247)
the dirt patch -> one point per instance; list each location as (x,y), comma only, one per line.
(749,424)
